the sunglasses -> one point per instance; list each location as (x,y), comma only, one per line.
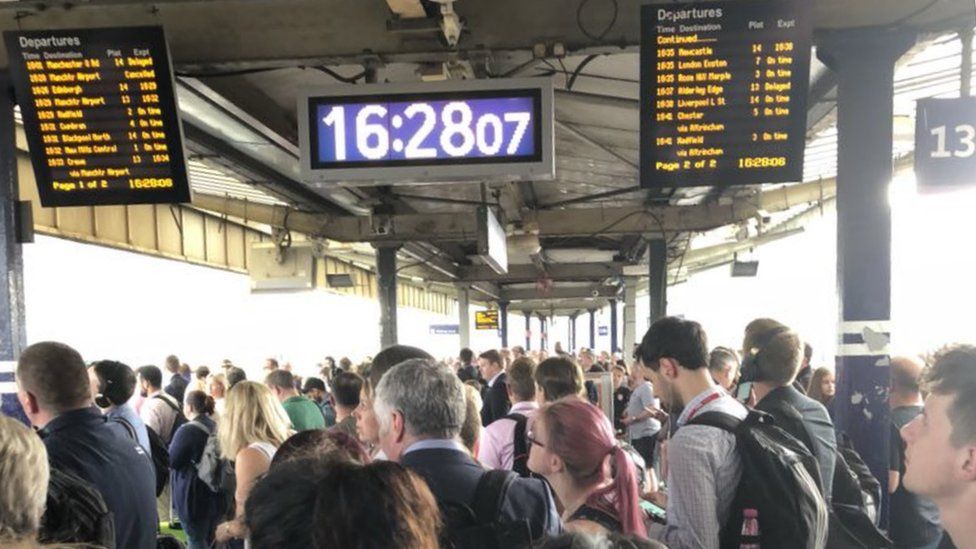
(532,440)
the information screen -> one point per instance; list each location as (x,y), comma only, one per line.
(429,131)
(724,92)
(100,115)
(486,320)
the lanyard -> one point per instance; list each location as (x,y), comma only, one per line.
(703,403)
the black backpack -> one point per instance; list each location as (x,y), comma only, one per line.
(520,451)
(776,483)
(179,420)
(158,453)
(75,513)
(478,526)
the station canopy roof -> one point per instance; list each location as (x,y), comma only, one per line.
(573,241)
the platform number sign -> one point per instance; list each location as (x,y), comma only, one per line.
(945,143)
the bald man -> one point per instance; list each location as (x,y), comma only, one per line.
(914,519)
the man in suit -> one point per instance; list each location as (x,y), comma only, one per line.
(420,407)
(176,387)
(773,356)
(495,393)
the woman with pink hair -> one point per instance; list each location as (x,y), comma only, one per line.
(573,447)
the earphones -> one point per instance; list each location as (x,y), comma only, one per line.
(101,400)
(749,370)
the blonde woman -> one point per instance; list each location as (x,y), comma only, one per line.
(25,472)
(252,428)
(217,388)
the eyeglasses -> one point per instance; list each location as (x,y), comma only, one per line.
(531,440)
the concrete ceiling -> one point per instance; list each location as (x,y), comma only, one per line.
(248,58)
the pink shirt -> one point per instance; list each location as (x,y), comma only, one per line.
(497,450)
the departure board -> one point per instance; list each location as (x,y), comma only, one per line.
(100,115)
(724,92)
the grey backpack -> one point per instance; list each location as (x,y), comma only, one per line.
(212,470)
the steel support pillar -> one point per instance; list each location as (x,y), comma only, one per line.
(613,326)
(543,333)
(528,330)
(630,316)
(571,347)
(503,321)
(12,326)
(464,315)
(386,283)
(592,329)
(864,63)
(657,254)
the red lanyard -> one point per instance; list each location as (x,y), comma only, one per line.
(702,404)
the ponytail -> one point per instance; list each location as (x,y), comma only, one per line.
(628,498)
(209,406)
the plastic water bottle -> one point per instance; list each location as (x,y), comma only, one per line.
(749,538)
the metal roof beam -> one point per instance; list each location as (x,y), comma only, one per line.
(520,294)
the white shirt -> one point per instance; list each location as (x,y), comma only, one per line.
(494,378)
(159,414)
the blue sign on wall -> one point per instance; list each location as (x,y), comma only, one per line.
(444,329)
(603,331)
(9,405)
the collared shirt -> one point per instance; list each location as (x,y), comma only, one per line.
(436,444)
(494,378)
(703,473)
(82,442)
(497,449)
(159,413)
(126,413)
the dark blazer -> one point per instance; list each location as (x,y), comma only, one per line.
(177,388)
(496,403)
(84,443)
(453,476)
(811,426)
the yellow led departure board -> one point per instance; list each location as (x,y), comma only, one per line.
(724,92)
(100,115)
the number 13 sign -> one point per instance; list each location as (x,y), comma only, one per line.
(945,143)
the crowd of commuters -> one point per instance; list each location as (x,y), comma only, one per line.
(505,448)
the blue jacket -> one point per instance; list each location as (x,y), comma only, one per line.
(192,498)
(83,442)
(453,476)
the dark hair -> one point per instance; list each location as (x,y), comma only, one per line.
(346,387)
(775,351)
(558,377)
(321,444)
(492,356)
(466,355)
(386,359)
(172,363)
(320,504)
(234,376)
(116,381)
(200,402)
(675,338)
(807,351)
(56,375)
(202,372)
(282,379)
(274,362)
(521,378)
(152,375)
(953,373)
(815,387)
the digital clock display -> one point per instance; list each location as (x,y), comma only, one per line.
(453,131)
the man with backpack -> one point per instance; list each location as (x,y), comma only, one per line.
(162,415)
(733,478)
(53,388)
(503,443)
(772,357)
(420,407)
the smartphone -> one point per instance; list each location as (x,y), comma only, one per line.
(744,391)
(656,513)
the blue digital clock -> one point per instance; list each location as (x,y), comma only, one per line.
(432,132)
